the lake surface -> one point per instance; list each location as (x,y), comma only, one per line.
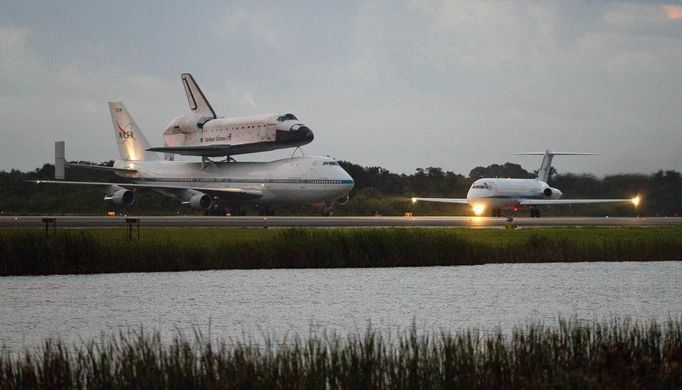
(278,302)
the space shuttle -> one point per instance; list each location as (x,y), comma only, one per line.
(202,133)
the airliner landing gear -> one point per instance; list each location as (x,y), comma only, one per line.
(326,209)
(217,210)
(496,212)
(535,213)
(237,211)
(267,211)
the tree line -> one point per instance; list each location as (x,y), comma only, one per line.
(377,192)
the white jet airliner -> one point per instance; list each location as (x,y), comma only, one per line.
(297,180)
(202,133)
(498,194)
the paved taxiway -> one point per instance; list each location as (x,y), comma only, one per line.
(196,221)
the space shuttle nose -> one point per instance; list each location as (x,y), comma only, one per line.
(305,133)
(298,135)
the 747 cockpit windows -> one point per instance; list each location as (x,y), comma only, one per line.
(287,117)
(330,163)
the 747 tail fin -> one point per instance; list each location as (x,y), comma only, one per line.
(132,144)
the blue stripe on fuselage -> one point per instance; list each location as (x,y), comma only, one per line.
(511,197)
(248,181)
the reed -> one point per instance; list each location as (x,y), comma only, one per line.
(30,252)
(614,354)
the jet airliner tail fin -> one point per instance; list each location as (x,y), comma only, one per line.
(545,166)
(132,144)
(196,99)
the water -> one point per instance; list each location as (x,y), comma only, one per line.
(238,303)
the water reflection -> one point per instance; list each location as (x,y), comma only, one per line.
(283,301)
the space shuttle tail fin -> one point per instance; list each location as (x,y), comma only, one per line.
(196,99)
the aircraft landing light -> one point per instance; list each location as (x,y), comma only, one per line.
(478,209)
(635,200)
(414,200)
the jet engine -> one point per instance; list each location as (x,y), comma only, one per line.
(343,201)
(121,197)
(553,193)
(200,201)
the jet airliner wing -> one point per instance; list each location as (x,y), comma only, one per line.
(100,168)
(540,202)
(442,200)
(226,193)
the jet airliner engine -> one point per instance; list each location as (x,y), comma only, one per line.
(120,196)
(552,193)
(198,200)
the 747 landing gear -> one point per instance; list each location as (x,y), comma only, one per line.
(535,213)
(496,212)
(266,211)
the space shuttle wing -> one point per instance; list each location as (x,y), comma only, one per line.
(197,150)
(225,193)
(540,202)
(442,200)
(218,150)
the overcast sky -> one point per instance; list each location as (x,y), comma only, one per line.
(399,85)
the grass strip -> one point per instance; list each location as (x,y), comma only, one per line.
(614,354)
(30,252)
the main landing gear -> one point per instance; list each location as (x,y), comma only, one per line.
(535,213)
(496,212)
(266,211)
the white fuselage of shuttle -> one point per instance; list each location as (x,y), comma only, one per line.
(249,134)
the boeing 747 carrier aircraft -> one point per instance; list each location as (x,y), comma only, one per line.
(498,194)
(300,180)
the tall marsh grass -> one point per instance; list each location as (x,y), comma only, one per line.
(30,252)
(616,354)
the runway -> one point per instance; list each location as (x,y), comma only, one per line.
(284,222)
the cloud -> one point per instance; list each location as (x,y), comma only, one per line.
(42,103)
(12,42)
(260,24)
(401,85)
(249,99)
(673,12)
